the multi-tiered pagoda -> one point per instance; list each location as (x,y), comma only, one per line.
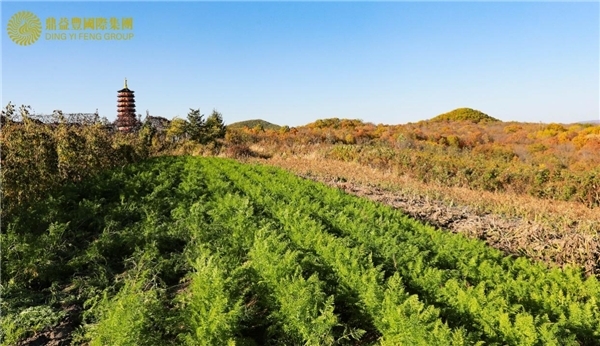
(126,120)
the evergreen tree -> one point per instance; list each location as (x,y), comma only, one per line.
(196,127)
(215,128)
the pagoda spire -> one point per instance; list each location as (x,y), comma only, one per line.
(126,120)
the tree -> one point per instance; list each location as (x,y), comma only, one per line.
(177,129)
(215,128)
(196,127)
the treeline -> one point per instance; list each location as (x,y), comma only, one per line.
(39,154)
(196,128)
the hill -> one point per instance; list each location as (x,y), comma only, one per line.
(465,114)
(253,123)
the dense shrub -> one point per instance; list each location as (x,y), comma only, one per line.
(38,157)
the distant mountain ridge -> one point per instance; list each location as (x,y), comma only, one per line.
(253,123)
(597,121)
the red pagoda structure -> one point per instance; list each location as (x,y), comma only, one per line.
(126,120)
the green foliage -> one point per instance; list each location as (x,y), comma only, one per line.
(177,130)
(126,319)
(210,311)
(355,271)
(196,125)
(306,312)
(215,128)
(197,128)
(467,305)
(16,326)
(210,251)
(252,124)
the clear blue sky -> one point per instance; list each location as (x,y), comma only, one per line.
(295,62)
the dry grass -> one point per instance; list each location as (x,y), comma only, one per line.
(552,231)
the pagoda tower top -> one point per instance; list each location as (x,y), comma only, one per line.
(126,120)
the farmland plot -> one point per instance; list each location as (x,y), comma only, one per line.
(208,251)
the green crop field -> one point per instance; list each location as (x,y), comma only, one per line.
(209,251)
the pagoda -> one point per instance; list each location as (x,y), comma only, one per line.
(126,120)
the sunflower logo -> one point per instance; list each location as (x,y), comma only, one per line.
(24,28)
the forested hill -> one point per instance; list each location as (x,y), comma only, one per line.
(465,114)
(253,123)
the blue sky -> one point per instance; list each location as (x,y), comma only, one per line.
(295,62)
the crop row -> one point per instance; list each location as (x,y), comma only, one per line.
(506,300)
